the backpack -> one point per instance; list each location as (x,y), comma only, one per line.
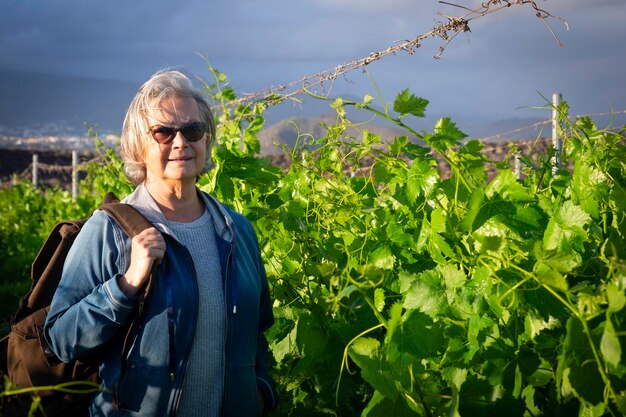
(25,357)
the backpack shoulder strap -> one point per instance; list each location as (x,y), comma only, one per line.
(133,223)
(129,219)
(125,215)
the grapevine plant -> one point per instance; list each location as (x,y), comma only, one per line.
(401,291)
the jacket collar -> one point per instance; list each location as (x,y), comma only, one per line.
(146,205)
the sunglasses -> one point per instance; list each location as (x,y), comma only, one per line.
(164,135)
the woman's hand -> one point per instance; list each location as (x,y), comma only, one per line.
(147,247)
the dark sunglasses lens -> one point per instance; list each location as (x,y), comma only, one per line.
(163,134)
(193,132)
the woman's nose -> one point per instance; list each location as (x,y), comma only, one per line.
(180,140)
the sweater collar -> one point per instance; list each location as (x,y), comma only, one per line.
(146,205)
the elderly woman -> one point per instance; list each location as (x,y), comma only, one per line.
(199,348)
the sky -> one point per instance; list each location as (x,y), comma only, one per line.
(498,71)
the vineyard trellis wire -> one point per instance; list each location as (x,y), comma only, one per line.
(447,31)
(64,171)
(496,144)
(548,121)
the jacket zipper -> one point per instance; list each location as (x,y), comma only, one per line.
(227,327)
(181,380)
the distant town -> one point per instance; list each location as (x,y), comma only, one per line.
(52,136)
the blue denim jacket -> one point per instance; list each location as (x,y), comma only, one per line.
(89,315)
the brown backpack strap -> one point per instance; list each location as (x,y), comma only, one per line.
(129,219)
(110,197)
(133,223)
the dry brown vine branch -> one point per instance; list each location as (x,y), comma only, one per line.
(444,30)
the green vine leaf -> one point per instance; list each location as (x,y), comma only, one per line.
(408,103)
(610,345)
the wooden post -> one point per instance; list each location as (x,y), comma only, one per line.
(556,140)
(35,173)
(518,167)
(74,174)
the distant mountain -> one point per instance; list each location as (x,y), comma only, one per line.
(309,108)
(41,105)
(287,132)
(61,105)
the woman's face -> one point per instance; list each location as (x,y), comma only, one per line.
(180,160)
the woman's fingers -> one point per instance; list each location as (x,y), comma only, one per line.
(149,243)
(147,247)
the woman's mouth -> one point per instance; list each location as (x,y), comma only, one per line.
(180,159)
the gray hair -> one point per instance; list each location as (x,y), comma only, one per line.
(135,136)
